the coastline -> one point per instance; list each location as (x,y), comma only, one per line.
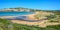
(31,17)
(4,17)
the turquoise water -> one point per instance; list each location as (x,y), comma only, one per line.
(14,13)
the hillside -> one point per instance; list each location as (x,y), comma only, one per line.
(19,9)
(7,25)
(16,9)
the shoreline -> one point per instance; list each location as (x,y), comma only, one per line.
(29,16)
(16,16)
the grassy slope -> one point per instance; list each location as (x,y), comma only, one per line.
(4,25)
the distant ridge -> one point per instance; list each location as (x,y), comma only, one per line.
(20,9)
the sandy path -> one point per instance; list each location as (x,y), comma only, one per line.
(28,23)
(39,23)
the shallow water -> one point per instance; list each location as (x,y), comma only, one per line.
(14,13)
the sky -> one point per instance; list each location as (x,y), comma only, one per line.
(34,4)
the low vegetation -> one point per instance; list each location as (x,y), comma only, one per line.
(7,25)
(51,17)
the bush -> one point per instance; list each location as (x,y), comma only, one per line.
(53,21)
(51,17)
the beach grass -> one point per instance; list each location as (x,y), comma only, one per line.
(6,25)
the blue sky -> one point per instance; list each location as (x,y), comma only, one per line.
(34,4)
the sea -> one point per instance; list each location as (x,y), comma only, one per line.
(14,13)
